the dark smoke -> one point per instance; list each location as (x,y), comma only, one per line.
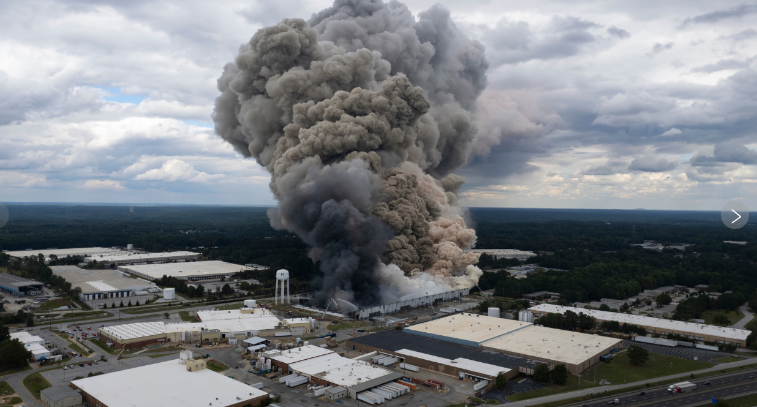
(361,115)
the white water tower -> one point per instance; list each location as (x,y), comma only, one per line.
(283,276)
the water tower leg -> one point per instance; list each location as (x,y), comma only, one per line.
(276,293)
(289,293)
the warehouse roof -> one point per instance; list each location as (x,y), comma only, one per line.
(394,341)
(166,384)
(320,364)
(553,344)
(186,269)
(484,369)
(297,321)
(134,331)
(36,348)
(119,256)
(206,316)
(58,393)
(10,281)
(97,280)
(468,329)
(295,355)
(356,373)
(82,251)
(26,337)
(228,325)
(664,324)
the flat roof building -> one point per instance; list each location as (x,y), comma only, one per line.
(191,270)
(62,253)
(60,396)
(98,284)
(576,350)
(504,253)
(126,258)
(25,338)
(700,332)
(281,359)
(466,329)
(517,338)
(167,384)
(19,286)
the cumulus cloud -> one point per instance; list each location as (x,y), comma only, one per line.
(722,65)
(652,164)
(724,14)
(672,132)
(102,184)
(174,170)
(618,32)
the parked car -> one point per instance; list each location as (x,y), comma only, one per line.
(616,401)
(89,363)
(81,364)
(642,393)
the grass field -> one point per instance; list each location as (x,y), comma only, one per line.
(745,401)
(35,383)
(729,359)
(56,303)
(217,366)
(187,317)
(20,369)
(733,316)
(230,306)
(12,401)
(4,386)
(620,371)
(101,344)
(571,385)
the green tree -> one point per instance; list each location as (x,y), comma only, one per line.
(137,304)
(13,354)
(226,290)
(637,355)
(105,306)
(721,320)
(113,305)
(541,373)
(4,333)
(30,319)
(664,299)
(121,305)
(559,375)
(501,381)
(129,304)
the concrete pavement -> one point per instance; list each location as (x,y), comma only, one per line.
(748,316)
(752,362)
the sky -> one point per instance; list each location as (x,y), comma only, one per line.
(609,104)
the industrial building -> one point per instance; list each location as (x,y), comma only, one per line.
(324,367)
(462,361)
(19,286)
(408,303)
(60,396)
(504,253)
(187,270)
(231,326)
(125,258)
(658,326)
(99,284)
(176,383)
(26,338)
(63,253)
(520,339)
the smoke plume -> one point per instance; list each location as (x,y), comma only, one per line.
(361,115)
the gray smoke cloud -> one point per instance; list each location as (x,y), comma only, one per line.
(361,115)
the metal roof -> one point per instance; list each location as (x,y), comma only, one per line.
(10,280)
(58,393)
(664,324)
(186,269)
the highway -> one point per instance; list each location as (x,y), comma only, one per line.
(722,386)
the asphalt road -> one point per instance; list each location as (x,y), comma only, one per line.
(735,383)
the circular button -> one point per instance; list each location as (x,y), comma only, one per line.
(734,215)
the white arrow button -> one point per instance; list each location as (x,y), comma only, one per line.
(737,214)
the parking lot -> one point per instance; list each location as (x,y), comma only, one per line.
(680,351)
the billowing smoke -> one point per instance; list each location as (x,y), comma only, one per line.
(361,115)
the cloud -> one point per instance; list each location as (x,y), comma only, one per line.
(652,164)
(607,168)
(743,35)
(726,152)
(722,65)
(672,132)
(718,15)
(174,170)
(658,47)
(618,32)
(102,184)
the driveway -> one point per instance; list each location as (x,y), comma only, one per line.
(747,317)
